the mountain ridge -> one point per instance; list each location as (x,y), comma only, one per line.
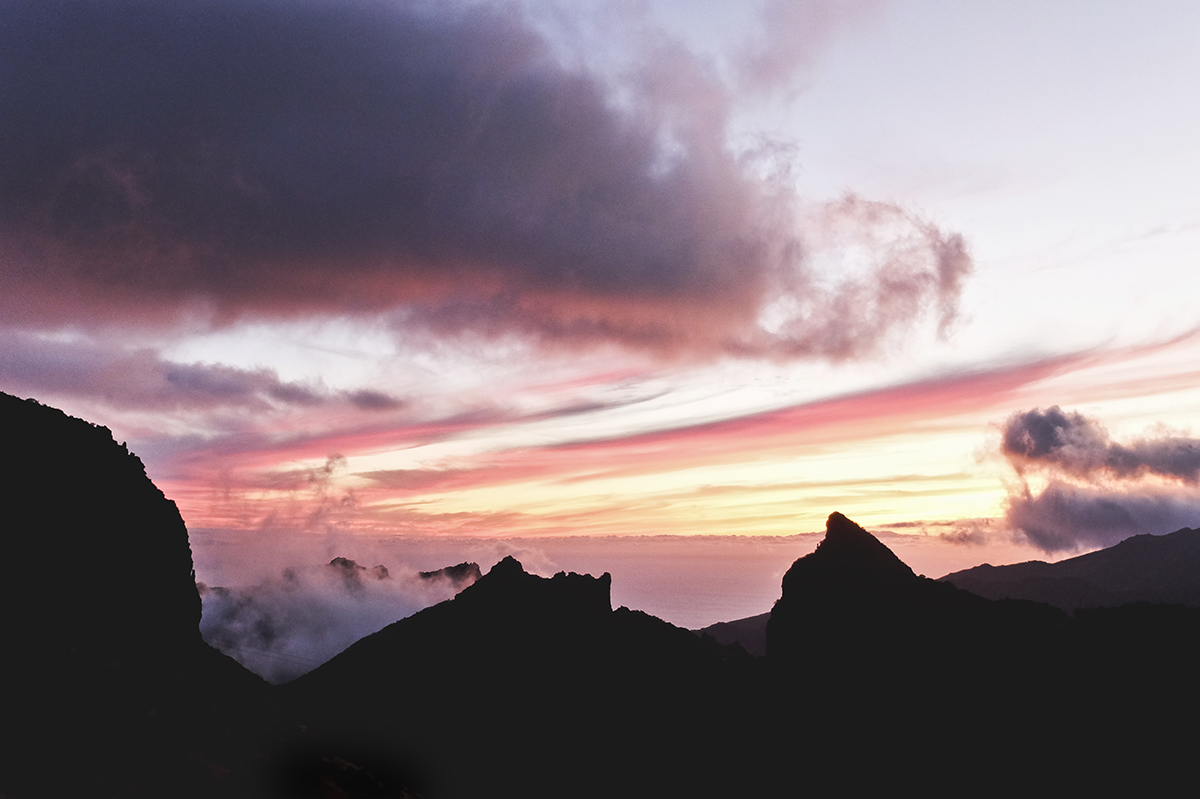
(1142,568)
(535,686)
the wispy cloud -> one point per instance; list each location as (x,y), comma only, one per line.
(141,379)
(254,472)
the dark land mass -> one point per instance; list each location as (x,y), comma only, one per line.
(874,678)
(749,633)
(1144,568)
(1157,569)
(109,689)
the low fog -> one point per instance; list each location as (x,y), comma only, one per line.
(289,624)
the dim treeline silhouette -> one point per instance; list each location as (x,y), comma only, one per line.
(874,677)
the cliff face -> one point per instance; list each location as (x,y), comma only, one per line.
(109,689)
(92,554)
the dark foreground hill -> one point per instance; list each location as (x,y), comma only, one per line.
(530,686)
(1144,568)
(108,689)
(875,679)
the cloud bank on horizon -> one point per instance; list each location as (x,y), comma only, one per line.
(1097,491)
(436,165)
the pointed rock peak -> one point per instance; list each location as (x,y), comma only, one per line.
(507,567)
(848,554)
(505,575)
(844,536)
(846,539)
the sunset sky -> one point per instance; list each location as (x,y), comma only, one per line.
(473,277)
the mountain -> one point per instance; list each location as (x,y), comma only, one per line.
(888,679)
(529,686)
(1144,568)
(749,633)
(81,510)
(855,600)
(110,690)
(875,679)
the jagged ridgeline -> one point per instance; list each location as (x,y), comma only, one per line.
(875,679)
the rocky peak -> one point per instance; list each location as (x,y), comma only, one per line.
(848,559)
(509,587)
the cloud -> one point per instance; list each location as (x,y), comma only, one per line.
(142,379)
(290,624)
(1098,491)
(1064,517)
(1081,447)
(791,36)
(971,532)
(433,163)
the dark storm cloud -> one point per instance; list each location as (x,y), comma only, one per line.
(1065,517)
(261,157)
(1112,498)
(1076,445)
(141,379)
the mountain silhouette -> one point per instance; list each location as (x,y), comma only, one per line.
(749,633)
(875,679)
(529,686)
(1144,568)
(109,688)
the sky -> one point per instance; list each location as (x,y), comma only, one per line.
(649,287)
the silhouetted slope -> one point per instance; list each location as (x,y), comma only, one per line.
(109,689)
(854,601)
(876,679)
(528,686)
(1004,695)
(749,633)
(1144,568)
(82,512)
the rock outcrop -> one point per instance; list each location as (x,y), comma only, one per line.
(94,556)
(111,691)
